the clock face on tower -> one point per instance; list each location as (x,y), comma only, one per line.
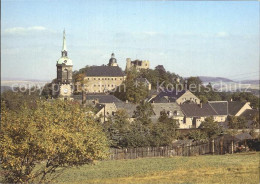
(65,90)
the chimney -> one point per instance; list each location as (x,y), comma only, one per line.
(231,100)
(83,97)
(126,101)
(200,105)
(96,101)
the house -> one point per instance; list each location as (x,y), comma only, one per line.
(225,108)
(173,111)
(180,97)
(105,110)
(128,107)
(194,114)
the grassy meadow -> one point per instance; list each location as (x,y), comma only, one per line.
(237,168)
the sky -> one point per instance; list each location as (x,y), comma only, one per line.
(206,38)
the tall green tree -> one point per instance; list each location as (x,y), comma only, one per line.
(143,113)
(211,128)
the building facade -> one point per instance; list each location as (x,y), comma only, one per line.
(105,78)
(137,64)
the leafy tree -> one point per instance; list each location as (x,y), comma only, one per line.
(236,122)
(197,135)
(14,100)
(211,128)
(134,91)
(57,133)
(164,132)
(117,128)
(144,112)
(138,136)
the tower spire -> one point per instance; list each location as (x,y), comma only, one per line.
(64,45)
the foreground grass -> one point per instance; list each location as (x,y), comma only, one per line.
(237,168)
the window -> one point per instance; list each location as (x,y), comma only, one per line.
(94,78)
(88,78)
(115,78)
(112,78)
(108,85)
(112,85)
(98,78)
(107,78)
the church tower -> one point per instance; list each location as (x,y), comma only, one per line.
(64,72)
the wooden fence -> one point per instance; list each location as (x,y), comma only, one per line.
(221,146)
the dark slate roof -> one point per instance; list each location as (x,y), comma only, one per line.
(102,98)
(250,113)
(194,110)
(234,107)
(106,71)
(129,107)
(172,96)
(221,107)
(243,136)
(99,106)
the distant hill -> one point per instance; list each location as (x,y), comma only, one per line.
(5,88)
(206,79)
(250,81)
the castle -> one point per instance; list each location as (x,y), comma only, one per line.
(98,79)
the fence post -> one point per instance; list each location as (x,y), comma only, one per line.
(213,147)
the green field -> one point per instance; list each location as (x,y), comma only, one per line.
(237,168)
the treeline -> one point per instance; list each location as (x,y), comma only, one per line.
(141,132)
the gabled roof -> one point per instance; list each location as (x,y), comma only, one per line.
(168,107)
(168,96)
(221,107)
(234,107)
(194,110)
(250,113)
(243,136)
(128,107)
(104,71)
(159,107)
(102,98)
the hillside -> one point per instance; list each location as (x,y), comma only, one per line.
(207,79)
(5,88)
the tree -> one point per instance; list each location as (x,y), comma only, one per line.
(144,112)
(49,133)
(117,128)
(236,122)
(164,132)
(211,128)
(197,135)
(134,91)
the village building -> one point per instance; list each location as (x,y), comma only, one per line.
(173,111)
(180,97)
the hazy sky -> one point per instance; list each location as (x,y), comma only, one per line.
(209,38)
